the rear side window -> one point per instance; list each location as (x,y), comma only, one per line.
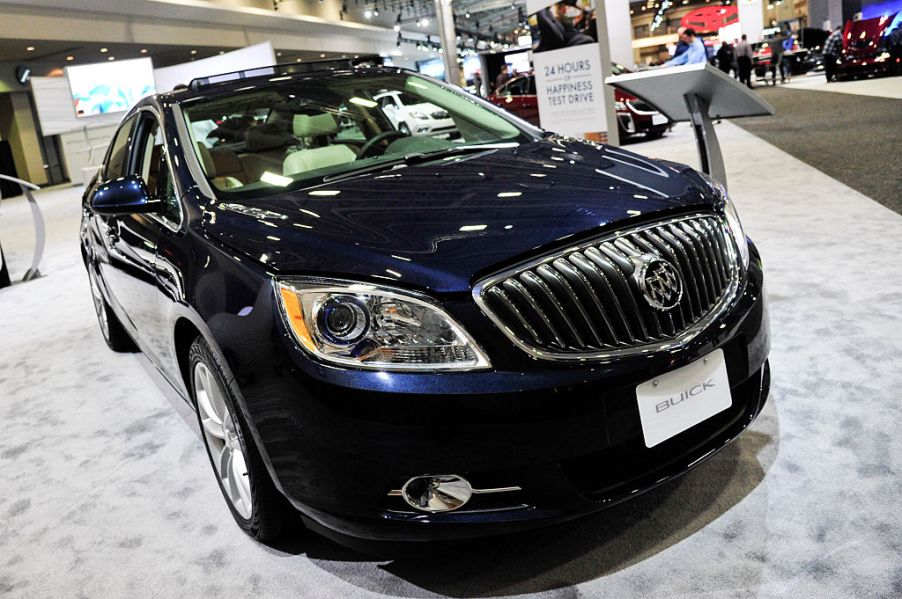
(116,164)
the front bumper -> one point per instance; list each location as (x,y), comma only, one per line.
(337,446)
(862,67)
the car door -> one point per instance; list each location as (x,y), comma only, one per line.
(130,241)
(173,252)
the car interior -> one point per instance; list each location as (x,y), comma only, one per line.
(257,140)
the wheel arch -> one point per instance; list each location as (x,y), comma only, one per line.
(184,334)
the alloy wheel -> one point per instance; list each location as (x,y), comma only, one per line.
(225,444)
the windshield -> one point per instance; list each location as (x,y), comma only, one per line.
(264,139)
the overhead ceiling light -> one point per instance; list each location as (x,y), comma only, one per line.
(143,50)
(70,58)
(111,58)
(425,22)
(104,50)
(322,55)
(193,51)
(299,59)
(278,54)
(30,48)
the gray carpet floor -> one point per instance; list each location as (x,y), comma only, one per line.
(853,138)
(106,491)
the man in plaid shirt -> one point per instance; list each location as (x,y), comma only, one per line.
(832,50)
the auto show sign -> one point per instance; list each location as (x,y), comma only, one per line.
(568,68)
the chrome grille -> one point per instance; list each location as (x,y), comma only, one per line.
(586,301)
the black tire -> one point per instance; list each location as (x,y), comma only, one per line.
(117,339)
(269,514)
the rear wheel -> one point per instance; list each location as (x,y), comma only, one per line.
(113,332)
(255,503)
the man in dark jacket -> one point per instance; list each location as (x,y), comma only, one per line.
(725,57)
(832,50)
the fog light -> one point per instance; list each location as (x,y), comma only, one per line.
(440,493)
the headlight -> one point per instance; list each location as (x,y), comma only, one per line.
(733,222)
(422,116)
(374,327)
(621,106)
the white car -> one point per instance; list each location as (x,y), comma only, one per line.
(416,118)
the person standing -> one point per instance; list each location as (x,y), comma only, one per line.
(743,54)
(776,59)
(895,49)
(725,57)
(694,54)
(832,50)
(681,46)
(502,77)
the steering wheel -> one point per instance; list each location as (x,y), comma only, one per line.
(368,148)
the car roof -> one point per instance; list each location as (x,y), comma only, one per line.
(227,83)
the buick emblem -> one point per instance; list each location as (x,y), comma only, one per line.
(659,282)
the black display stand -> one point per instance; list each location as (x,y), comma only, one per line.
(700,94)
(8,189)
(4,272)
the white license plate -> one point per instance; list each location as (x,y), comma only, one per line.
(680,399)
(658,119)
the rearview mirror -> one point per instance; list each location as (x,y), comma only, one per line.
(125,195)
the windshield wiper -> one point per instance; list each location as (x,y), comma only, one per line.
(418,158)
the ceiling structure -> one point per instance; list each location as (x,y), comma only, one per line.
(49,54)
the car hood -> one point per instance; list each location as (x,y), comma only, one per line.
(442,224)
(863,38)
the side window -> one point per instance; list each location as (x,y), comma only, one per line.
(532,86)
(118,156)
(154,169)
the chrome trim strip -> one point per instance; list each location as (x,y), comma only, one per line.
(398,493)
(737,279)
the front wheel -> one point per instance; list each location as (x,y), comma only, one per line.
(255,503)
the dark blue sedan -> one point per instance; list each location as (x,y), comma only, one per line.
(415,337)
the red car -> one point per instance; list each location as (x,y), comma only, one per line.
(634,116)
(865,49)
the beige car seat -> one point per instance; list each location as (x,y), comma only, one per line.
(221,182)
(310,127)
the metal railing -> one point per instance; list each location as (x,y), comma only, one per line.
(39,229)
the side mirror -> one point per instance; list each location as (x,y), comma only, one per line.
(125,195)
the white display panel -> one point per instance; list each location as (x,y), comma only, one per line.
(251,57)
(110,87)
(53,102)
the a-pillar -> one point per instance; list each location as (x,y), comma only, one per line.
(447,32)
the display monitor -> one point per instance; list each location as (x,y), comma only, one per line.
(518,62)
(108,87)
(433,67)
